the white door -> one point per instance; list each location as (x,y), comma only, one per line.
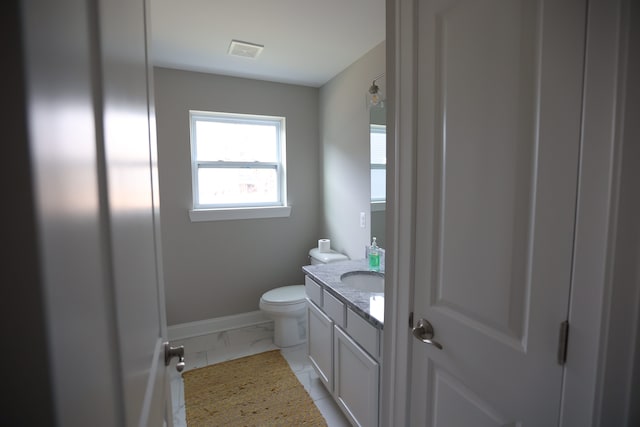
(132,198)
(499,98)
(93,149)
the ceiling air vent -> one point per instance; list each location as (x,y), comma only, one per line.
(244,49)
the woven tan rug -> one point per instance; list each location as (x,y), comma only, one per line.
(258,390)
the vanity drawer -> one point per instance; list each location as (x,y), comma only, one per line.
(334,308)
(364,333)
(313,291)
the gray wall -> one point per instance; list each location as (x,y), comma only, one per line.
(344,145)
(220,268)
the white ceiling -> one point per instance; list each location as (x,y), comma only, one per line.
(306,42)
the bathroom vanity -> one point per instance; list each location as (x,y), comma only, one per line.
(344,342)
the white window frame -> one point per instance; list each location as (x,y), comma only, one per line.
(231,211)
(377,203)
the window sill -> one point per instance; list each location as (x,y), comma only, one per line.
(229,214)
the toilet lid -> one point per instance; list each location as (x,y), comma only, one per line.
(285,295)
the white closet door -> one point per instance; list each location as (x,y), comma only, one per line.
(499,101)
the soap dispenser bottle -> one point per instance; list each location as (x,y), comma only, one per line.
(374,256)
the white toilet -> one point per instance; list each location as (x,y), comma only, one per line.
(286,305)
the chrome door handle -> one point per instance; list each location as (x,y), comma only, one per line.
(171,352)
(424,332)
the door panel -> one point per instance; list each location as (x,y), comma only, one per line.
(499,96)
(486,153)
(456,405)
(356,381)
(320,344)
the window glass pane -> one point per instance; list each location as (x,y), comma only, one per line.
(378,144)
(221,186)
(378,184)
(236,141)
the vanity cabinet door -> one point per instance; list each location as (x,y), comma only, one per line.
(356,381)
(320,344)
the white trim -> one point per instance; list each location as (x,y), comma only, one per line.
(146,414)
(595,219)
(218,324)
(400,71)
(378,206)
(227,214)
(238,118)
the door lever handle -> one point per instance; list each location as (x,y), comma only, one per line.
(171,352)
(424,332)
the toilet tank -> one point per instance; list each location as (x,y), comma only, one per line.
(317,257)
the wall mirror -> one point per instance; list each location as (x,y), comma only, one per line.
(378,156)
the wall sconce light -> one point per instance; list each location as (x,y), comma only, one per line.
(374,95)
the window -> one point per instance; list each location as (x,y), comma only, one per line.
(238,164)
(378,140)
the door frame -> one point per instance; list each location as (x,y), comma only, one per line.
(590,306)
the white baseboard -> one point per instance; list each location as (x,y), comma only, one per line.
(219,324)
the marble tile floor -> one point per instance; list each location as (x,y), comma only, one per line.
(209,349)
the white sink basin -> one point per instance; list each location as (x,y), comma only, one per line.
(369,281)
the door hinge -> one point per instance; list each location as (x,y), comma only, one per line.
(563,342)
(411,320)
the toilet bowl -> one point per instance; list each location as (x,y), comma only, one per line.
(286,306)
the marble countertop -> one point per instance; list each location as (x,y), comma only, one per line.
(369,305)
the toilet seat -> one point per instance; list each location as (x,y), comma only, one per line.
(283,296)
